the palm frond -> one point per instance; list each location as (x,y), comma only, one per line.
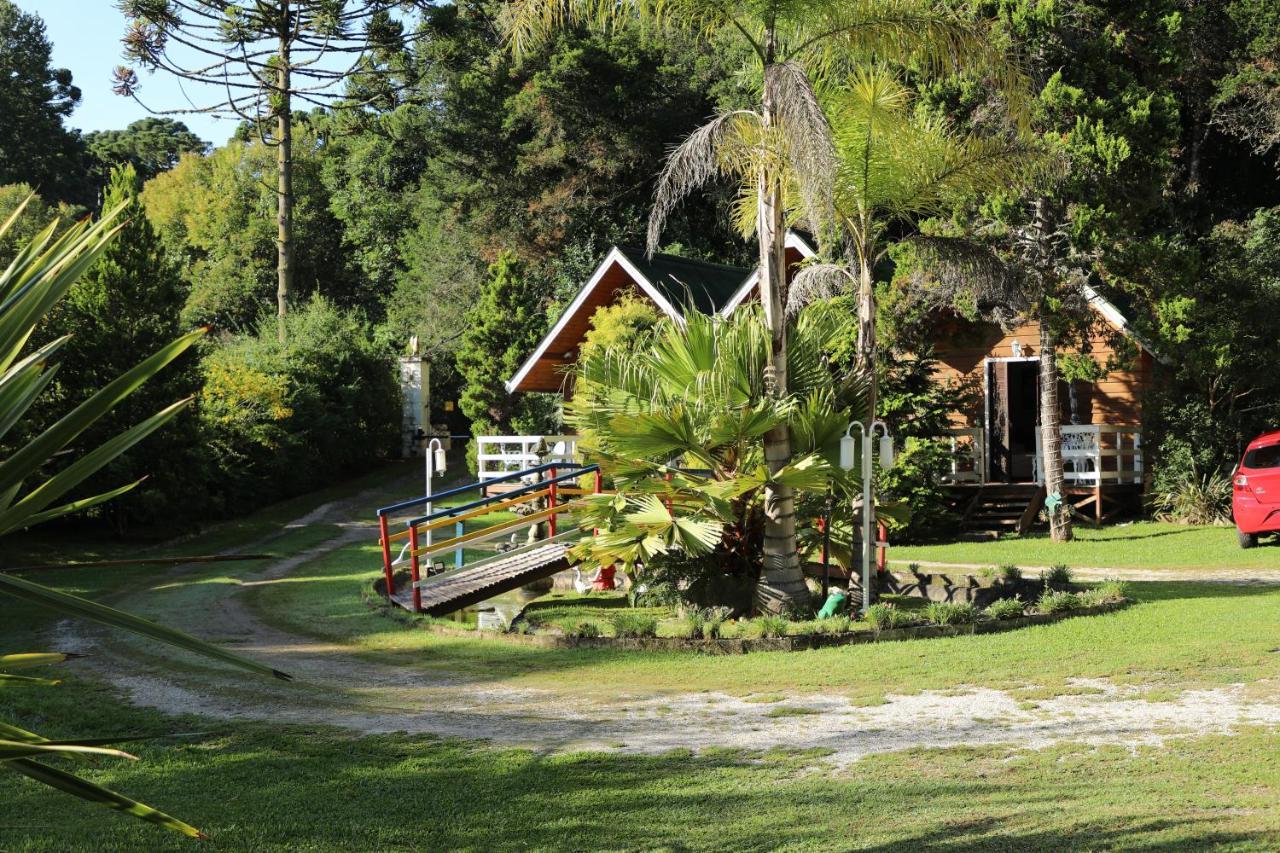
(810,150)
(729,145)
(929,37)
(817,282)
(969,277)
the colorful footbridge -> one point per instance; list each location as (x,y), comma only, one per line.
(538,496)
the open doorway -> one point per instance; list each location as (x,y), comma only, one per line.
(1013,415)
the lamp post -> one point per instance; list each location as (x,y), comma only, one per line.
(433,453)
(848,444)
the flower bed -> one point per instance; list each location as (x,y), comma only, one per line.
(642,629)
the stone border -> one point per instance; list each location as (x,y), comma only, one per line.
(743,646)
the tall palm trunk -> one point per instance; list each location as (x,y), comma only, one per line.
(782,587)
(866,362)
(284,172)
(1051,435)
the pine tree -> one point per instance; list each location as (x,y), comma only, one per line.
(502,329)
(122,310)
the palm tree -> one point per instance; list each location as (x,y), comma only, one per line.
(896,167)
(680,425)
(784,142)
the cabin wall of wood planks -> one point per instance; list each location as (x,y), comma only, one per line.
(962,349)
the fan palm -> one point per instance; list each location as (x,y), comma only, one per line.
(680,426)
(784,142)
(38,277)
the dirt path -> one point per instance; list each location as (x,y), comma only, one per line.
(335,687)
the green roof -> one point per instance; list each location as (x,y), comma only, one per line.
(684,281)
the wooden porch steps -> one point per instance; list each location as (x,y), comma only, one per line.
(997,508)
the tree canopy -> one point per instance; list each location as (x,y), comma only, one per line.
(36,99)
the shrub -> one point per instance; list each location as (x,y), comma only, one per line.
(1010,573)
(1191,498)
(713,623)
(1107,592)
(1059,575)
(687,628)
(884,616)
(706,623)
(627,624)
(833,625)
(951,613)
(579,628)
(1005,608)
(283,418)
(1058,602)
(677,578)
(772,626)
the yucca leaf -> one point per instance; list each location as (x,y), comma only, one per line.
(17,382)
(26,659)
(23,393)
(14,733)
(27,679)
(30,457)
(78,505)
(86,790)
(9,750)
(52,275)
(50,490)
(74,605)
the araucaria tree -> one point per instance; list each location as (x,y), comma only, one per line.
(782,144)
(265,57)
(1027,270)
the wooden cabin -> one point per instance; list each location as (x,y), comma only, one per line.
(674,284)
(995,440)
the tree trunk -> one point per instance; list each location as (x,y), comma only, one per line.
(1051,435)
(866,361)
(284,174)
(782,588)
(867,333)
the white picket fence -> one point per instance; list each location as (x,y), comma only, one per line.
(505,454)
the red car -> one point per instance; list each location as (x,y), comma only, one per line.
(1256,493)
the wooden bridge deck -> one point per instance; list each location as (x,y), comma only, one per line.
(464,587)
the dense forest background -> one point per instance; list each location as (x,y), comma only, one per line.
(468,201)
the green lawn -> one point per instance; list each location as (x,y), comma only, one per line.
(1140,545)
(255,787)
(278,787)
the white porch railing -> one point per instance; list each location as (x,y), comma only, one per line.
(968,455)
(1092,455)
(1097,454)
(504,454)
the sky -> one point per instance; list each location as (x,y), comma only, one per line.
(86,38)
